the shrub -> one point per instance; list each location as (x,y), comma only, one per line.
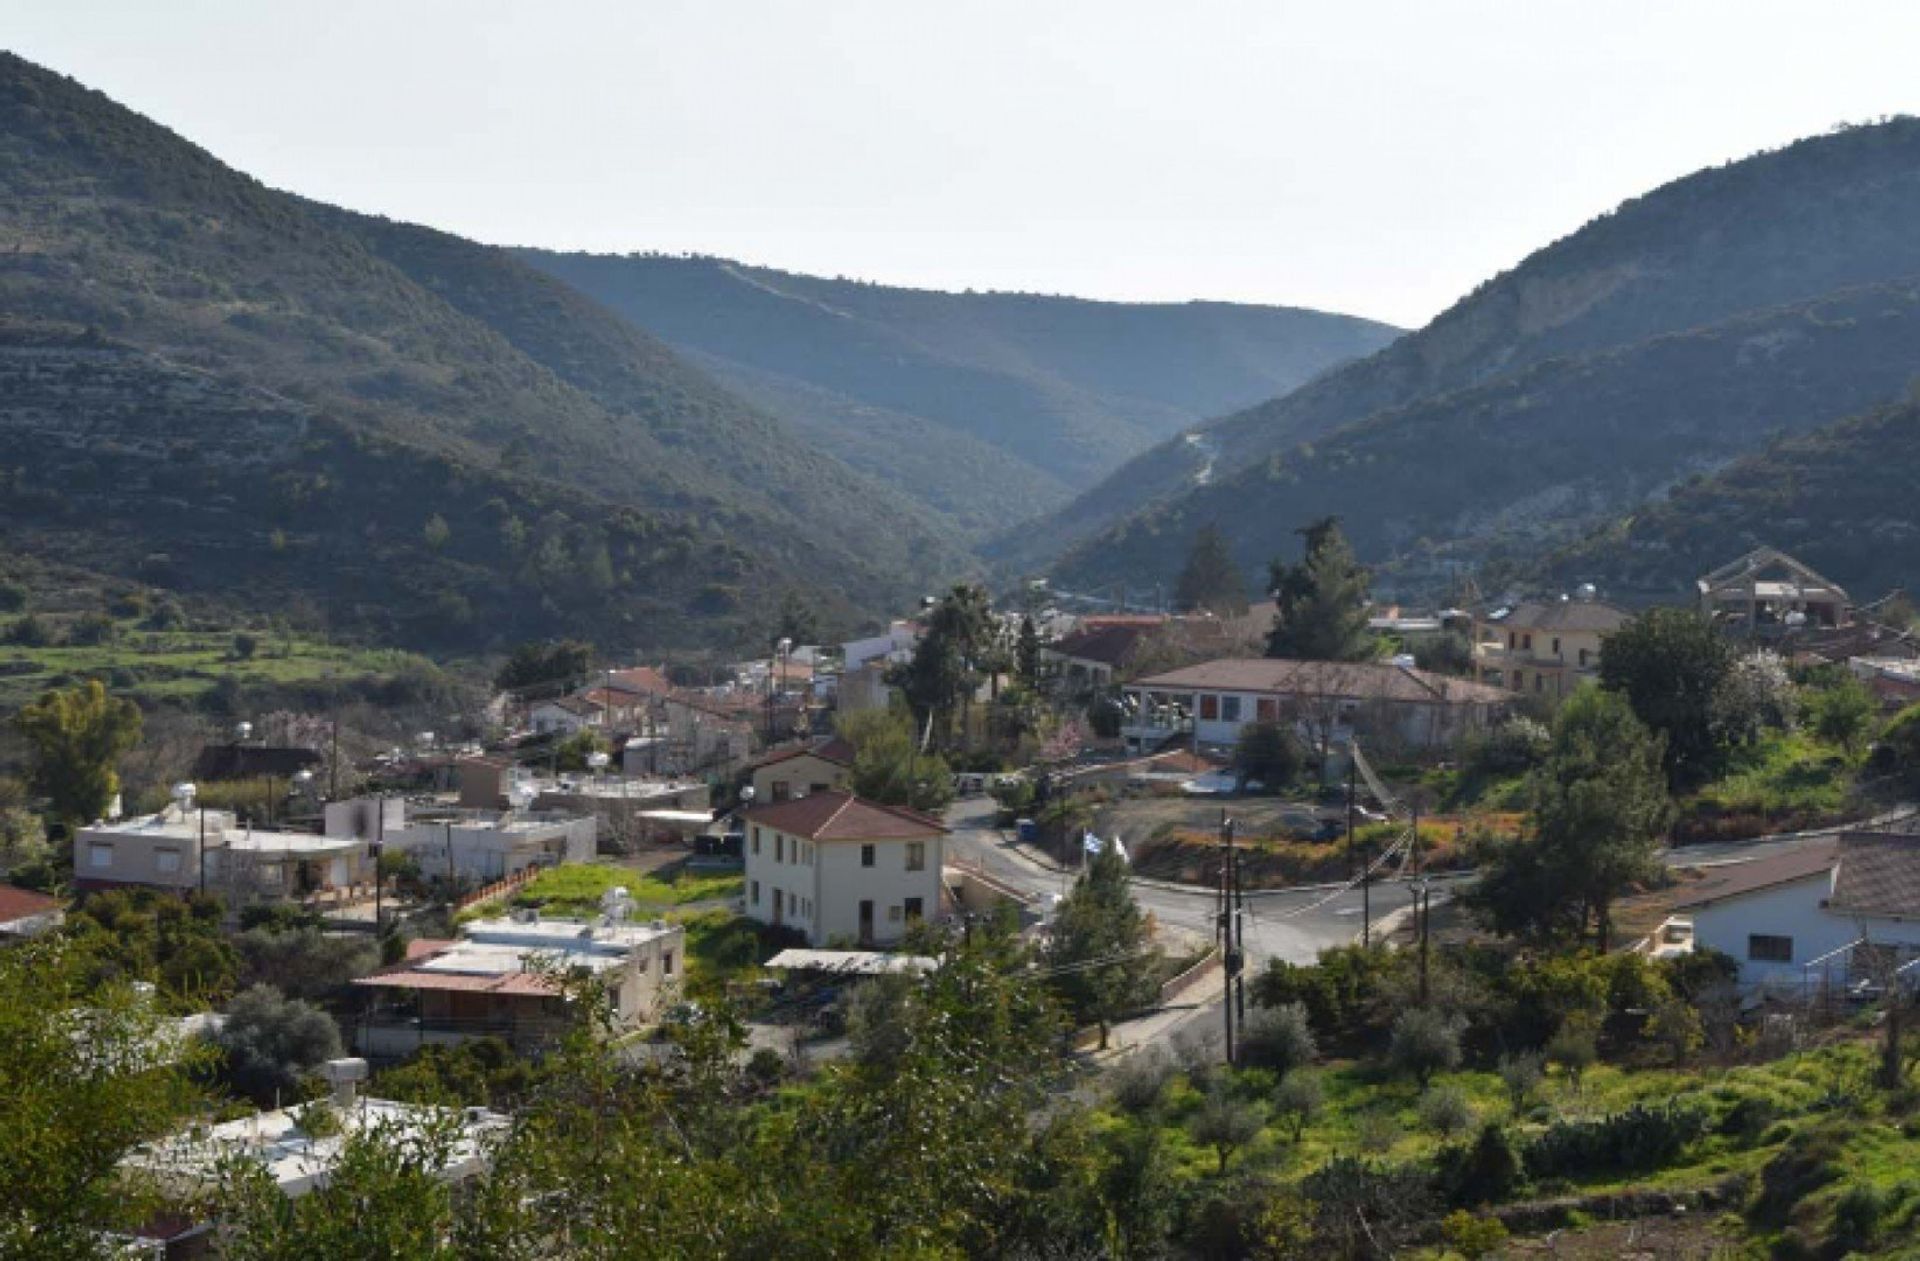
(1573,1050)
(1485,1172)
(1376,1132)
(1512,748)
(1225,1124)
(1856,1218)
(1446,1111)
(270,1042)
(1140,1082)
(1639,1139)
(1344,993)
(1811,1159)
(1424,1043)
(1521,1074)
(1298,1100)
(90,629)
(1472,1236)
(1364,1209)
(1278,1038)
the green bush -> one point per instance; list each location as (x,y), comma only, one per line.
(1640,1139)
(1856,1218)
(1278,1038)
(1487,1171)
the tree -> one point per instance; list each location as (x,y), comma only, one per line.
(1098,950)
(550,669)
(1268,752)
(1211,582)
(1321,603)
(1599,808)
(1299,1098)
(270,1042)
(1573,1049)
(1841,712)
(1424,1042)
(77,738)
(796,619)
(72,1107)
(946,664)
(1225,1124)
(1670,665)
(1027,654)
(887,767)
(1278,1038)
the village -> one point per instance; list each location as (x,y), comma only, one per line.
(1153,805)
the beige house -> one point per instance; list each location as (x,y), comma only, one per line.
(1767,593)
(1544,648)
(841,869)
(811,768)
(496,980)
(183,849)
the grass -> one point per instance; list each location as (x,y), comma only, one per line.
(576,888)
(183,665)
(1785,772)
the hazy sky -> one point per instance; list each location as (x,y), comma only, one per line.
(1379,158)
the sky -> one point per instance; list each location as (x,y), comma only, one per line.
(1373,157)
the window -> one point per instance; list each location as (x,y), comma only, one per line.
(1763,948)
(166,861)
(1556,645)
(1267,709)
(99,855)
(756,893)
(819,788)
(1526,641)
(1538,680)
(1510,640)
(779,901)
(666,963)
(1583,657)
(756,839)
(1230,709)
(1209,708)
(916,855)
(866,855)
(913,909)
(1519,680)
(779,848)
(893,915)
(782,790)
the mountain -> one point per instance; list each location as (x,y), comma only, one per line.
(1840,498)
(1535,459)
(230,389)
(1774,230)
(993,405)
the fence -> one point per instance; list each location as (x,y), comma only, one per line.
(498,889)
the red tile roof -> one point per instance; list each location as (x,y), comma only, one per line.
(17,904)
(642,679)
(408,975)
(833,749)
(841,816)
(1357,680)
(1107,645)
(1878,874)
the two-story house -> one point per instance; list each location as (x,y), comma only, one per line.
(841,869)
(1544,648)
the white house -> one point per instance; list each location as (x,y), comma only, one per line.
(891,647)
(566,715)
(1810,916)
(1326,701)
(841,869)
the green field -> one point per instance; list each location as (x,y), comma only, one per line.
(576,888)
(184,665)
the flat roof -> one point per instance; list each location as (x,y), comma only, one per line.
(852,962)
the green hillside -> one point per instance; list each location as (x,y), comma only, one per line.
(1778,228)
(1064,386)
(1512,467)
(1841,498)
(384,428)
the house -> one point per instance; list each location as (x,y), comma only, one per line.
(841,869)
(703,735)
(1544,648)
(24,913)
(802,769)
(565,715)
(891,647)
(1824,913)
(498,980)
(1894,681)
(297,1152)
(1092,658)
(1327,702)
(467,846)
(184,849)
(1768,594)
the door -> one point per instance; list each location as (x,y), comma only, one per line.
(866,922)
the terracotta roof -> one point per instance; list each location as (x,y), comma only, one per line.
(1735,880)
(841,816)
(1564,615)
(1360,680)
(1108,645)
(408,975)
(641,679)
(832,749)
(1878,874)
(16,904)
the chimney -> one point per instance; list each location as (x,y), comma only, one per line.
(344,1076)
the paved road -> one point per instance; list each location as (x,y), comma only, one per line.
(1295,925)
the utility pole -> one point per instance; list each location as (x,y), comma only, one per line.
(1239,935)
(379,849)
(1366,895)
(1229,954)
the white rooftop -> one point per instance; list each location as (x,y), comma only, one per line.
(852,962)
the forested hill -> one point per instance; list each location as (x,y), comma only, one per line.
(1061,388)
(1775,229)
(1841,498)
(430,439)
